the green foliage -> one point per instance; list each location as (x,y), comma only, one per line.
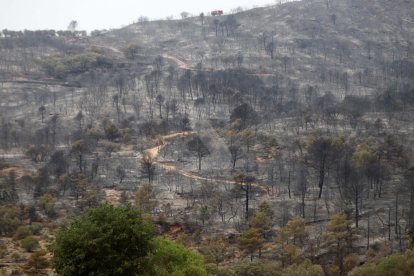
(261,221)
(60,67)
(144,198)
(289,255)
(36,263)
(306,268)
(351,261)
(338,236)
(396,264)
(35,227)
(22,232)
(214,270)
(29,243)
(104,241)
(119,241)
(3,249)
(264,268)
(173,259)
(214,249)
(9,219)
(250,241)
(47,204)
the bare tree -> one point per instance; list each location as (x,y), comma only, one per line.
(319,156)
(245,183)
(148,167)
(197,146)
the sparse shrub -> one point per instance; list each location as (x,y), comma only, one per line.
(305,268)
(214,270)
(36,227)
(22,232)
(333,270)
(265,268)
(47,203)
(132,51)
(3,250)
(9,219)
(351,261)
(29,243)
(36,263)
(16,257)
(38,153)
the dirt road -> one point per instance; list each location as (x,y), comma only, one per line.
(154,152)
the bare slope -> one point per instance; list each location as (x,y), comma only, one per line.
(341,46)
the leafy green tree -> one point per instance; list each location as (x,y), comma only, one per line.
(22,232)
(250,242)
(396,264)
(262,219)
(47,204)
(214,270)
(262,268)
(305,268)
(104,241)
(294,231)
(172,259)
(262,222)
(289,255)
(145,199)
(338,237)
(214,249)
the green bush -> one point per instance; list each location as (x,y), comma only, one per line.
(9,219)
(262,268)
(396,264)
(170,258)
(29,243)
(120,241)
(214,270)
(104,241)
(22,232)
(60,67)
(36,263)
(36,228)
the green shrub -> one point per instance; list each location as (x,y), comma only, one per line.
(9,219)
(36,227)
(22,232)
(29,243)
(36,263)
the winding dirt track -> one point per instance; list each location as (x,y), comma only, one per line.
(182,64)
(154,152)
(185,66)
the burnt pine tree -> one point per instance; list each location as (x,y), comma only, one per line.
(409,177)
(148,167)
(197,146)
(245,183)
(320,152)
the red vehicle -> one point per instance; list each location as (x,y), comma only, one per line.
(217,13)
